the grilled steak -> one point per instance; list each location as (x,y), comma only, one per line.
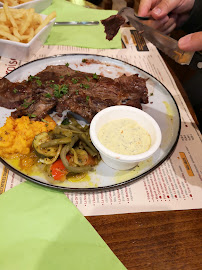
(62,88)
(112,25)
(12,94)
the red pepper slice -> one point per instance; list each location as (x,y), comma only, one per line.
(58,170)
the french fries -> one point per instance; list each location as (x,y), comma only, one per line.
(45,22)
(21,25)
(12,3)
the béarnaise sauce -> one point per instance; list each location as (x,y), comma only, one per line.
(124,136)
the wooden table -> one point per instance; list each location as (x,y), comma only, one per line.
(154,240)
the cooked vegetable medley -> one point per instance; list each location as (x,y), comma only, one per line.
(66,150)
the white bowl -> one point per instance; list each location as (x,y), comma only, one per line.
(119,161)
(38,5)
(23,51)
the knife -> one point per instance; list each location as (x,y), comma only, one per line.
(163,42)
(77,23)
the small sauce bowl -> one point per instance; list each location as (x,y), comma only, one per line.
(115,160)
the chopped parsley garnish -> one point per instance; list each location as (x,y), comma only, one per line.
(32,115)
(87,78)
(151,94)
(15,90)
(86,86)
(38,82)
(77,92)
(65,121)
(60,90)
(74,80)
(52,81)
(43,120)
(95,76)
(67,64)
(30,78)
(26,104)
(84,60)
(61,77)
(48,95)
(87,98)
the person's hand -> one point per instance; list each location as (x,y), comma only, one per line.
(167,15)
(159,9)
(191,42)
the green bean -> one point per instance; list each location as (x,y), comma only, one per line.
(63,131)
(71,128)
(54,142)
(58,136)
(86,127)
(89,150)
(75,138)
(84,138)
(63,154)
(74,121)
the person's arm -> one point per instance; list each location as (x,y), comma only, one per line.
(193,41)
(194,23)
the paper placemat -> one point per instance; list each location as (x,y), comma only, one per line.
(176,184)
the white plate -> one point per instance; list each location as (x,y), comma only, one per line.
(162,107)
(38,5)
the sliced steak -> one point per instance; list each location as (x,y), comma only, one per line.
(112,25)
(62,88)
(12,94)
(87,101)
(35,109)
(133,90)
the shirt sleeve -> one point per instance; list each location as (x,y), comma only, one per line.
(194,23)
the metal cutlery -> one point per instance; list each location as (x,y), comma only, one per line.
(72,23)
(163,42)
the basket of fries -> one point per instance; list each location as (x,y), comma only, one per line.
(23,31)
(38,5)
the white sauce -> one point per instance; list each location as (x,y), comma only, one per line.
(124,136)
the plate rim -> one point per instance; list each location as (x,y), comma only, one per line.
(108,187)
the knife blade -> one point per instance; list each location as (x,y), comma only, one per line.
(163,42)
(72,23)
